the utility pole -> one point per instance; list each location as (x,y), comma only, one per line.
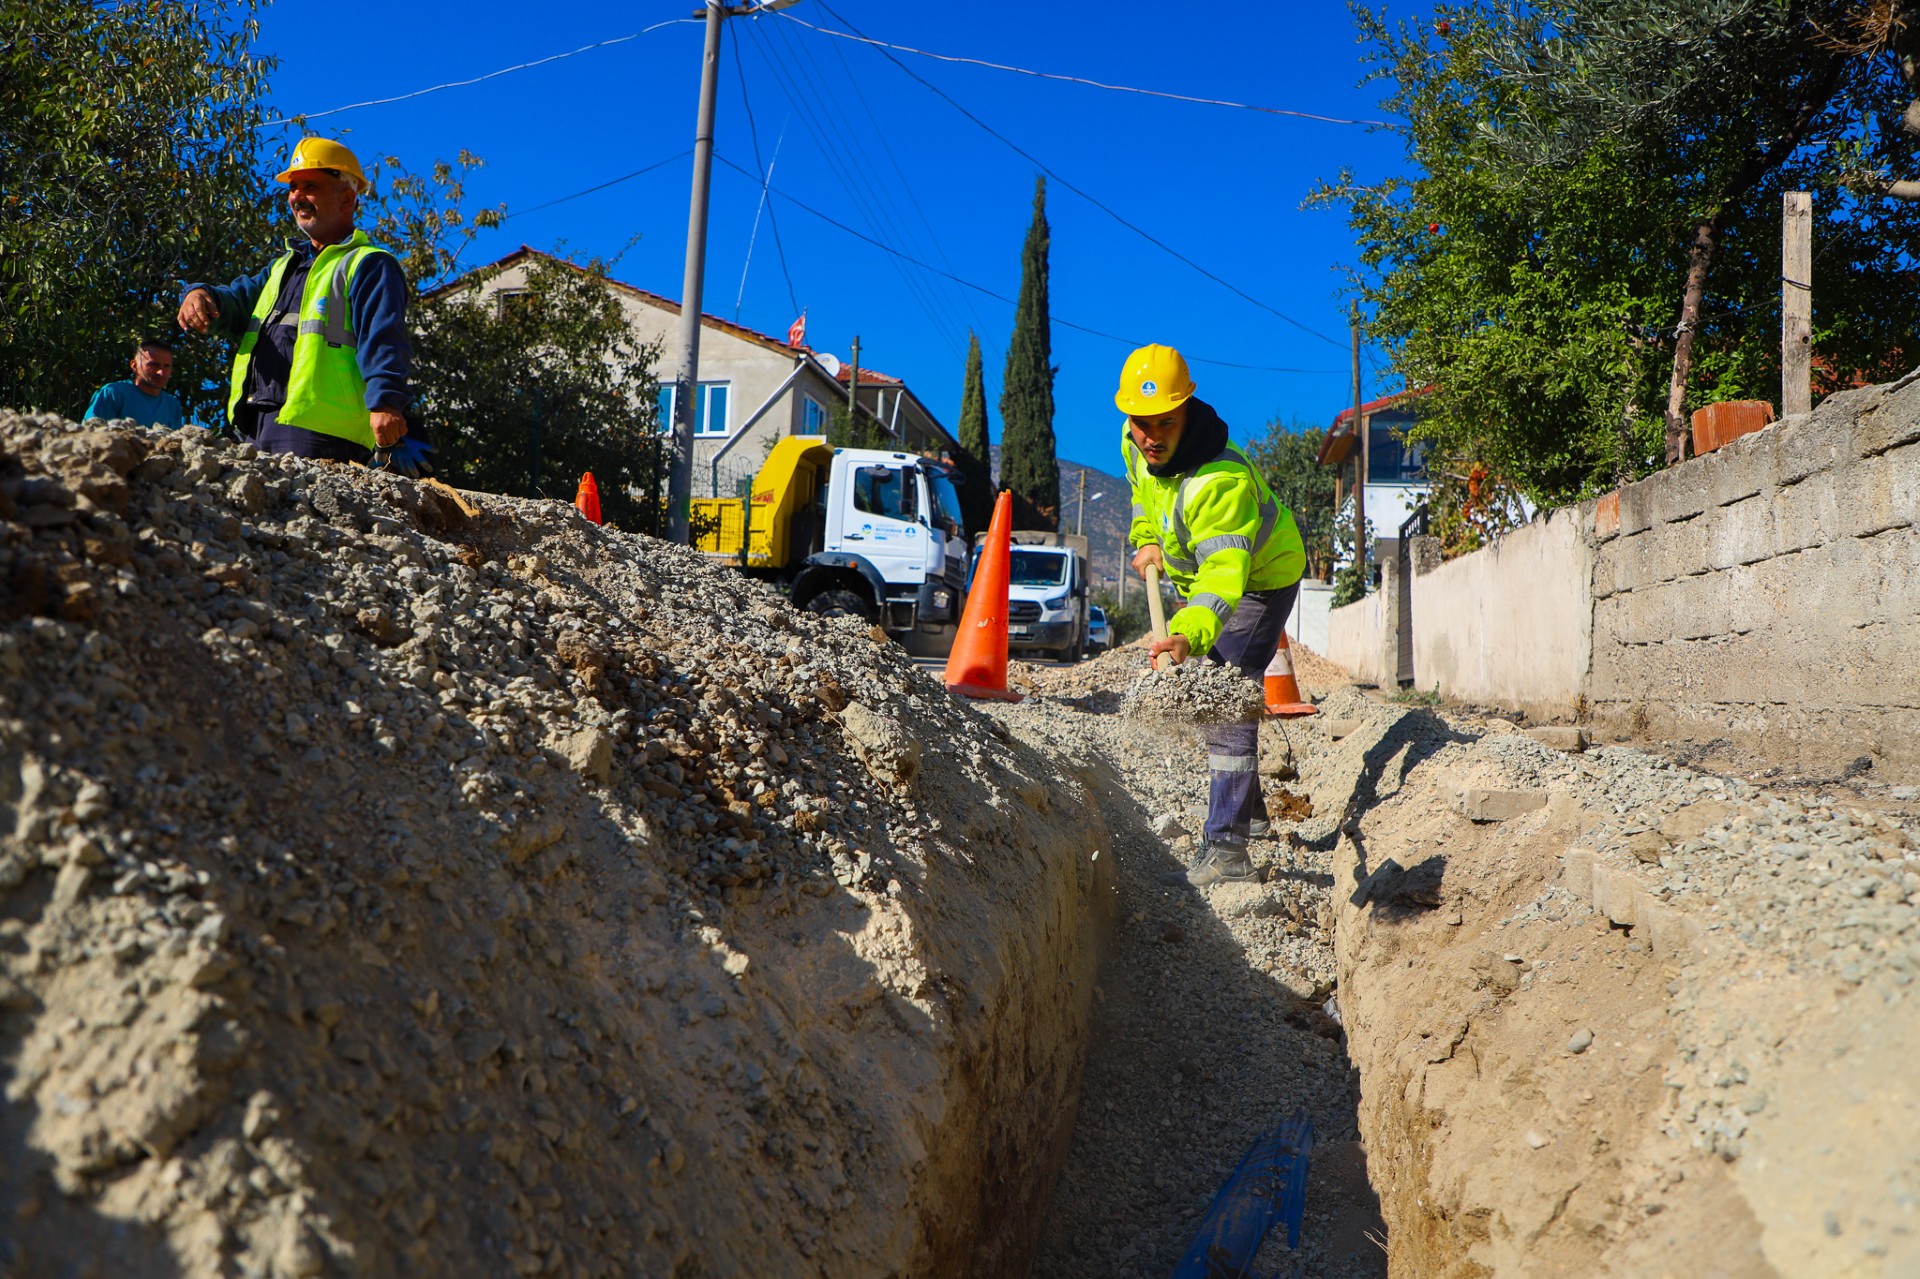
(1360,547)
(853,384)
(1080,516)
(686,379)
(1796,303)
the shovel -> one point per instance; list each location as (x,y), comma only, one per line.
(1158,612)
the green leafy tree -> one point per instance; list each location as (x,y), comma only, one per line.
(846,430)
(976,449)
(1535,297)
(1288,457)
(128,162)
(526,391)
(421,218)
(1028,465)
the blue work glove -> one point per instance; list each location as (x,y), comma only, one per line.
(409,458)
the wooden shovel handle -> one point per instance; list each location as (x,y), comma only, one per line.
(1158,612)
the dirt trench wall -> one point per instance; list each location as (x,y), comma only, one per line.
(388,887)
(1614,1017)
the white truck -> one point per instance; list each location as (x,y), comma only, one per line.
(1047,594)
(871,533)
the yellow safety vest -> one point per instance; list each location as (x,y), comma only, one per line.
(325,391)
(1221,533)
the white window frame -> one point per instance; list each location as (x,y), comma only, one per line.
(670,393)
(808,406)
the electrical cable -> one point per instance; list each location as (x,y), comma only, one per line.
(461,84)
(1089,198)
(753,132)
(883,213)
(793,75)
(832,221)
(1074,79)
(600,187)
(913,241)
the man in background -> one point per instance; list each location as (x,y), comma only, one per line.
(145,398)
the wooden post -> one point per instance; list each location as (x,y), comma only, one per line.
(1796,303)
(853,385)
(1360,548)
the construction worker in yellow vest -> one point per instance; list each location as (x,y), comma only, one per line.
(1204,514)
(321,364)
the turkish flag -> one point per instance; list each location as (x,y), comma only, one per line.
(797,331)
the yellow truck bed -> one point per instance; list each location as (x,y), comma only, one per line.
(793,474)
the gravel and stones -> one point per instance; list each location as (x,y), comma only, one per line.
(389,886)
(1196,692)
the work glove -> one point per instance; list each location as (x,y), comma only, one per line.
(409,458)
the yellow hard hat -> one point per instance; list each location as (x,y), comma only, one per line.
(1153,381)
(324,153)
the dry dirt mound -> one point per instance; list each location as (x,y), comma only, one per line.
(391,889)
(1615,1017)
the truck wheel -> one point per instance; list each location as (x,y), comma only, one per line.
(840,604)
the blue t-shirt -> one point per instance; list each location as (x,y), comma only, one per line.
(124,399)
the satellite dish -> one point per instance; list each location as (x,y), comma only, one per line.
(829,362)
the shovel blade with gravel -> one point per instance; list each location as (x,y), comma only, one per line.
(1196,692)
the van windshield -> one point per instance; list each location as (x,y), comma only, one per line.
(1038,568)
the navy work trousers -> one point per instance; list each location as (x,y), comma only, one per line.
(1248,641)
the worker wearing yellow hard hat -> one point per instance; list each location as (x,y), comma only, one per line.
(321,358)
(1204,516)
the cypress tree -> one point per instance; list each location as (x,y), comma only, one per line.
(1027,462)
(976,450)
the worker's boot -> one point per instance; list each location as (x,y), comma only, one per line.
(1259,828)
(1223,864)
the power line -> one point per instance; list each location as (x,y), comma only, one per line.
(1091,199)
(832,221)
(1074,79)
(804,89)
(625,177)
(753,131)
(461,84)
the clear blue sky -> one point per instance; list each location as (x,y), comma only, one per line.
(863,142)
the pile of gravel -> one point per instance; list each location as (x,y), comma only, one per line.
(388,886)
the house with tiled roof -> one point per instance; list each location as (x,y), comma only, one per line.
(753,388)
(1396,467)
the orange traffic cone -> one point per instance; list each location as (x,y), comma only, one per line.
(977,666)
(588,498)
(1283,691)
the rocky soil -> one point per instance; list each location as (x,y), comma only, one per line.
(1616,1016)
(397,884)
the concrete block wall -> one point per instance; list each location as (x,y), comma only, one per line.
(1512,624)
(1357,639)
(1768,594)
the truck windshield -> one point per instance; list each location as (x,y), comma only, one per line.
(946,503)
(1038,568)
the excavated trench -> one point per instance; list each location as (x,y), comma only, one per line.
(397,882)
(1597,1013)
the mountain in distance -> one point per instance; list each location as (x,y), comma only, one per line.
(1106,518)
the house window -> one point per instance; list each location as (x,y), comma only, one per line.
(813,417)
(712,420)
(1390,459)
